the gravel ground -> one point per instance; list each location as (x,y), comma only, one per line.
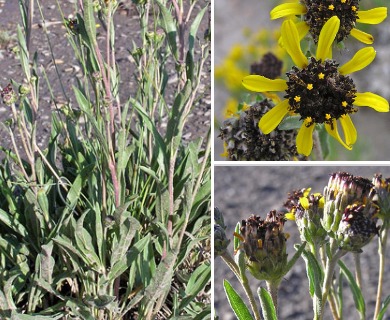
(232,16)
(242,191)
(127,30)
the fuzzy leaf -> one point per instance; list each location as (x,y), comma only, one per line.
(127,260)
(356,292)
(267,305)
(89,21)
(239,307)
(314,274)
(290,123)
(128,228)
(13,224)
(169,26)
(198,280)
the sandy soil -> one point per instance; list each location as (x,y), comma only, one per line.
(242,191)
(231,16)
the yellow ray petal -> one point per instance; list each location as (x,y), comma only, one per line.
(373,16)
(362,36)
(304,203)
(305,139)
(290,216)
(272,118)
(260,84)
(287,9)
(291,43)
(327,35)
(349,129)
(303,29)
(360,60)
(306,192)
(372,100)
(335,133)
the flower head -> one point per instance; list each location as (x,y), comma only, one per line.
(317,12)
(317,89)
(356,228)
(245,142)
(264,244)
(270,66)
(8,95)
(342,194)
(307,210)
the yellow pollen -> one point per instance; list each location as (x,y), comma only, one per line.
(343,1)
(297,98)
(353,8)
(344,103)
(331,7)
(308,119)
(327,116)
(309,86)
(321,76)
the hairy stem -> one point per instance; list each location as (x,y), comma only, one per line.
(358,269)
(244,282)
(273,288)
(329,271)
(382,257)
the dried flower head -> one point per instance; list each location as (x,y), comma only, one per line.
(264,244)
(270,66)
(357,227)
(245,142)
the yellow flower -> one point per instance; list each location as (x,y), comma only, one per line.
(330,98)
(316,13)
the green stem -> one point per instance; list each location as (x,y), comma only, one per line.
(330,266)
(273,288)
(358,269)
(382,257)
(244,282)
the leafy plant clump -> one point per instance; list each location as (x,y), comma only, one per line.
(110,219)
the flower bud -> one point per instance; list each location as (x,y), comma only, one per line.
(24,89)
(221,242)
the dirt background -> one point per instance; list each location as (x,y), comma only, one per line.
(127,30)
(232,16)
(241,191)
